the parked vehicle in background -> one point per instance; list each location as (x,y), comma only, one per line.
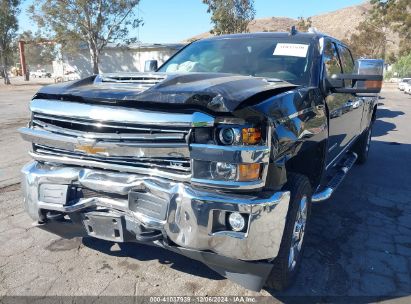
(42,73)
(407,87)
(217,155)
(401,84)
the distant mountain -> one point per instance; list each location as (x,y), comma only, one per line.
(339,24)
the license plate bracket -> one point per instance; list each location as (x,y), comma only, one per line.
(103,225)
(148,204)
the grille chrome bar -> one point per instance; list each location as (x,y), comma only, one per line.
(179,165)
(110,114)
(98,124)
(136,149)
(111,136)
(114,167)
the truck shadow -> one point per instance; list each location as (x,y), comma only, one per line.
(382,127)
(359,242)
(143,252)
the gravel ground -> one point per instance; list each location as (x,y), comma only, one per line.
(359,244)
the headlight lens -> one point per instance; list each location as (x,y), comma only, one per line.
(239,136)
(229,136)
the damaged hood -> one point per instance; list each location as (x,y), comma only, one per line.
(214,91)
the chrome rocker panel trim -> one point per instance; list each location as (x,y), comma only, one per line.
(189,218)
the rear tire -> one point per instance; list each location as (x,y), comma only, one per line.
(362,146)
(288,260)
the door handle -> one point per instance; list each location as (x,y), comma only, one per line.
(354,104)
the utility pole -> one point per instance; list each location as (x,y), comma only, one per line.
(23,60)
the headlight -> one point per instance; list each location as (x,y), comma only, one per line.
(239,136)
(226,172)
(229,136)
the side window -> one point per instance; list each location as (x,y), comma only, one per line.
(331,61)
(346,59)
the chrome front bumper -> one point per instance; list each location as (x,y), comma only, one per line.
(191,213)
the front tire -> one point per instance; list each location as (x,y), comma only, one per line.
(288,260)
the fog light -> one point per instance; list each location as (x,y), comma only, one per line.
(249,172)
(237,221)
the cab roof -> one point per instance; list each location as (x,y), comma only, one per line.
(296,36)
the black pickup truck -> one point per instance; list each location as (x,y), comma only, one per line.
(217,155)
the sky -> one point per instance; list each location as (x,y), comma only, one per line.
(168,21)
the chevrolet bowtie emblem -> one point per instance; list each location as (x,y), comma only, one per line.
(89,149)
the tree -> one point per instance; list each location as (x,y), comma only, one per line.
(97,23)
(304,24)
(398,15)
(230,16)
(9,9)
(403,66)
(370,41)
(372,35)
(38,51)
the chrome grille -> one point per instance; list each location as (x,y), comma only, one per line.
(112,137)
(107,131)
(182,165)
(133,137)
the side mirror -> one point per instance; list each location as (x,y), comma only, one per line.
(150,66)
(366,79)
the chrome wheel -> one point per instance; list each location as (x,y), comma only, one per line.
(298,233)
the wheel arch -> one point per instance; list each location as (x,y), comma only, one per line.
(309,162)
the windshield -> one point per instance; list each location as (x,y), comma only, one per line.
(260,57)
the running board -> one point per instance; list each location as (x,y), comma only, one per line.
(336,180)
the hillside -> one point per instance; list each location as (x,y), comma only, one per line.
(339,24)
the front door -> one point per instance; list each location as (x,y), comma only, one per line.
(345,109)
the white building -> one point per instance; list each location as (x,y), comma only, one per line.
(114,58)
